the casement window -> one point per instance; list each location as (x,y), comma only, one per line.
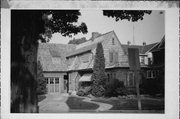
(113,57)
(108,77)
(130,79)
(152,73)
(56,80)
(85,58)
(113,41)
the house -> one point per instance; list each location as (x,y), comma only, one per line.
(67,67)
(80,61)
(156,71)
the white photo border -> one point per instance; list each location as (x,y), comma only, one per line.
(171,57)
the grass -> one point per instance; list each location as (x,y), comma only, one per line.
(131,104)
(77,103)
(41,97)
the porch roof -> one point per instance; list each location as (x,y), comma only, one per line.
(85,78)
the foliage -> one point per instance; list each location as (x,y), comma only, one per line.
(41,81)
(77,41)
(130,15)
(84,91)
(99,76)
(27,28)
(115,88)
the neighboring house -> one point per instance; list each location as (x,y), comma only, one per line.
(66,67)
(145,54)
(156,70)
(157,67)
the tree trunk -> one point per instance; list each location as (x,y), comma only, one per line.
(23,78)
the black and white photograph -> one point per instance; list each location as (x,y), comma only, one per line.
(90,61)
(87,61)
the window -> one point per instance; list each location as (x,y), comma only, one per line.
(111,57)
(56,80)
(46,80)
(51,80)
(113,41)
(131,79)
(85,58)
(152,73)
(142,59)
(108,77)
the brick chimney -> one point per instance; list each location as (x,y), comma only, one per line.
(128,42)
(144,43)
(95,35)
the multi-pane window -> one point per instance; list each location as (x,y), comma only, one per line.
(113,57)
(56,80)
(51,80)
(113,41)
(85,58)
(152,73)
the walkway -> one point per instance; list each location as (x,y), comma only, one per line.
(54,103)
(102,106)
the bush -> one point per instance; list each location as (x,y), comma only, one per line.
(84,91)
(116,88)
(41,81)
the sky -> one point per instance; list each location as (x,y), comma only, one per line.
(150,30)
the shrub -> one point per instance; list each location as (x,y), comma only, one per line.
(41,81)
(116,88)
(99,76)
(84,91)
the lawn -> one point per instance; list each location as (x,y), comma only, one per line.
(131,104)
(79,104)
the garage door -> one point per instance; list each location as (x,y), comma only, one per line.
(53,85)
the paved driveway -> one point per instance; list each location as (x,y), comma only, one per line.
(54,103)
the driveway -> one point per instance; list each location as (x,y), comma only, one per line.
(54,103)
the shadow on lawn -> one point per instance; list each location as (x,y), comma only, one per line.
(79,104)
(131,104)
(41,97)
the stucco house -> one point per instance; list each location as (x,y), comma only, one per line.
(67,66)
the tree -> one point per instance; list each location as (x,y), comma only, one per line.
(41,81)
(77,41)
(130,15)
(99,76)
(27,28)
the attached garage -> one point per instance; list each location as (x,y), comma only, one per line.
(56,82)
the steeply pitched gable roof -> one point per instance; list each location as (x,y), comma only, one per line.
(159,46)
(48,51)
(142,49)
(90,44)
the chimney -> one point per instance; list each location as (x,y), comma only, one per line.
(128,42)
(144,43)
(95,35)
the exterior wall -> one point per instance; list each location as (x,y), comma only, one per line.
(73,81)
(61,79)
(113,46)
(121,75)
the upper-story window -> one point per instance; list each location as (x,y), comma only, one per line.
(85,58)
(56,60)
(113,57)
(113,41)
